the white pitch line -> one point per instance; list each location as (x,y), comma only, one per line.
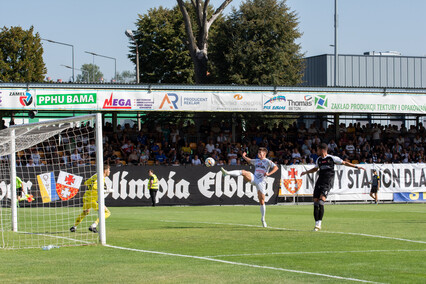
(286,229)
(314,252)
(242,264)
(57,237)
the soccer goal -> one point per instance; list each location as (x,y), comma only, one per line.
(43,167)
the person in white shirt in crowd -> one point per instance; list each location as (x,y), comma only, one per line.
(31,163)
(35,156)
(196,161)
(75,156)
(210,147)
(91,148)
(232,157)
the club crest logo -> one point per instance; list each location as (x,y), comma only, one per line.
(68,185)
(291,183)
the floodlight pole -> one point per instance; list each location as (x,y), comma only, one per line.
(130,35)
(336,59)
(115,62)
(67,44)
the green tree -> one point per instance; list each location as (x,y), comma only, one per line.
(126,77)
(256,45)
(21,56)
(90,73)
(163,56)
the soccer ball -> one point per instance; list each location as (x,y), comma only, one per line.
(209,162)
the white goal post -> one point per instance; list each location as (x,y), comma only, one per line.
(43,170)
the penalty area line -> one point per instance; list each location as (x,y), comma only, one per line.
(286,229)
(241,264)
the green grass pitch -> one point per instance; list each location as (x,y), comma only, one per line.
(383,243)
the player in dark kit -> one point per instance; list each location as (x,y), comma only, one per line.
(325,164)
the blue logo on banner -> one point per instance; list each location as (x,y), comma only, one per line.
(409,197)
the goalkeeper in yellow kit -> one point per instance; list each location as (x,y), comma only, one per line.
(90,200)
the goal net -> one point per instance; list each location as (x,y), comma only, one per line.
(43,168)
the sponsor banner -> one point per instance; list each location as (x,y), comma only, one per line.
(47,185)
(125,100)
(16,99)
(253,101)
(66,99)
(409,197)
(394,178)
(193,185)
(288,102)
(182,101)
(248,101)
(370,103)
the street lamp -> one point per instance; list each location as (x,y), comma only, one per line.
(82,71)
(130,35)
(72,46)
(115,62)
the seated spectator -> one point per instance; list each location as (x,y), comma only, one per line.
(417,140)
(127,148)
(210,147)
(350,149)
(133,158)
(31,163)
(186,149)
(155,149)
(91,148)
(75,156)
(215,155)
(186,160)
(332,146)
(253,149)
(35,156)
(117,162)
(161,158)
(222,138)
(296,155)
(196,161)
(232,157)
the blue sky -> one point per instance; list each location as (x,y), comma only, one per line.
(98,26)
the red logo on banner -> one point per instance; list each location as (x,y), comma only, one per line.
(292,184)
(66,192)
(69,180)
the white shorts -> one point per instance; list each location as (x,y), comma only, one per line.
(259,183)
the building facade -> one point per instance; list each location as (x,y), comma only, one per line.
(373,69)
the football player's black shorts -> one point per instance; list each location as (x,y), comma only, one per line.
(373,189)
(321,189)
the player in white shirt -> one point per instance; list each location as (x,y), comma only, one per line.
(262,166)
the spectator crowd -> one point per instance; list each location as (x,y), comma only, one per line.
(178,144)
(168,144)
